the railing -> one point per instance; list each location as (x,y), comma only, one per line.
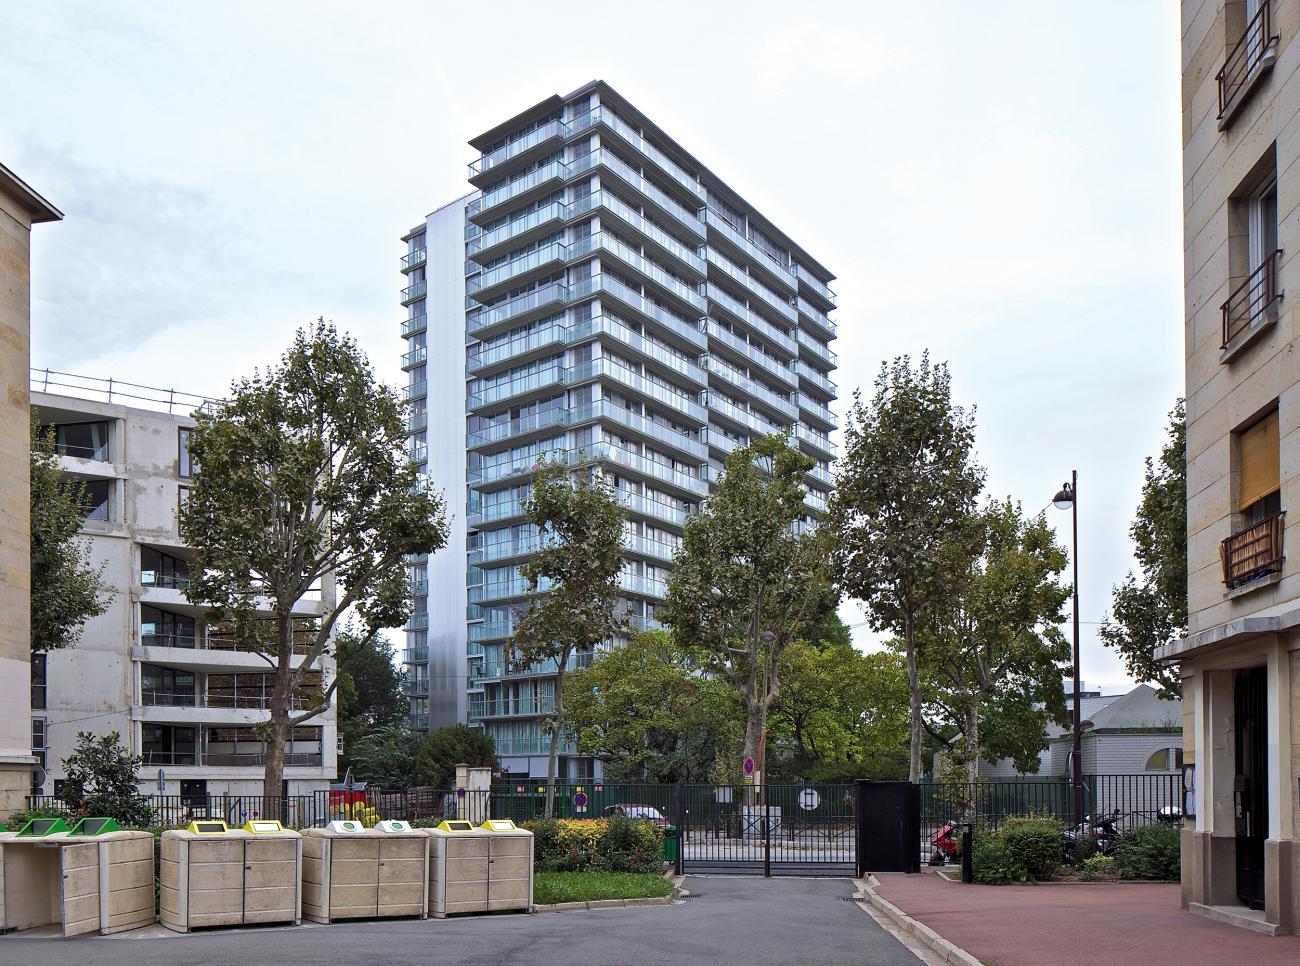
(413,292)
(1252,300)
(817,409)
(414,325)
(753,353)
(554,211)
(123,393)
(751,318)
(551,129)
(488,316)
(412,259)
(814,438)
(814,283)
(151,578)
(514,187)
(761,256)
(415,357)
(415,655)
(745,384)
(204,641)
(755,287)
(806,371)
(232,702)
(815,315)
(98,453)
(1254,552)
(823,351)
(1245,58)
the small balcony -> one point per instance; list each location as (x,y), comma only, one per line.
(414,326)
(1246,63)
(416,357)
(413,292)
(1254,552)
(1251,306)
(413,259)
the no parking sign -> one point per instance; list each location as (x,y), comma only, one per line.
(580,802)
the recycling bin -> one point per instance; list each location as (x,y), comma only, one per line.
(353,872)
(92,877)
(671,843)
(483,868)
(213,875)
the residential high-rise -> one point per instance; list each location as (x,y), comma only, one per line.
(1240,661)
(600,293)
(179,691)
(20,208)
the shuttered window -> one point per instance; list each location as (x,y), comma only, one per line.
(1258,449)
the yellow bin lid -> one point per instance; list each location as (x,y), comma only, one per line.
(262,826)
(204,826)
(455,825)
(499,825)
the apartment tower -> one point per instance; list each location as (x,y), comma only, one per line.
(1240,662)
(600,293)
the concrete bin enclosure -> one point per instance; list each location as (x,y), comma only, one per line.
(485,868)
(83,884)
(231,878)
(371,873)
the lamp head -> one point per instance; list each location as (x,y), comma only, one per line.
(1064,498)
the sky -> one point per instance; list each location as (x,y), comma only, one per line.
(996,183)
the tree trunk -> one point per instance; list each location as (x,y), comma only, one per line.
(556,730)
(914,685)
(278,736)
(972,758)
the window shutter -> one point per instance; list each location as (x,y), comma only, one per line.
(1258,447)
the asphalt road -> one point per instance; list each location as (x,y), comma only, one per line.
(727,921)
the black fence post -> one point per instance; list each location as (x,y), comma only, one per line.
(681,827)
(767,834)
(967,865)
(859,826)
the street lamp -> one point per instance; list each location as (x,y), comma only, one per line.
(1067,498)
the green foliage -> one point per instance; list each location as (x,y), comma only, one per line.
(616,844)
(18,819)
(1151,612)
(442,750)
(102,779)
(370,702)
(646,708)
(66,591)
(841,715)
(552,887)
(993,862)
(1097,867)
(386,757)
(991,652)
(1034,842)
(301,475)
(1149,852)
(581,524)
(743,584)
(907,485)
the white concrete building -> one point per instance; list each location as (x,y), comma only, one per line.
(150,667)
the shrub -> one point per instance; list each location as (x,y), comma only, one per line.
(586,845)
(1035,842)
(1148,852)
(993,862)
(1098,867)
(18,819)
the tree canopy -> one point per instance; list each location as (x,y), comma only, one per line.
(443,749)
(369,694)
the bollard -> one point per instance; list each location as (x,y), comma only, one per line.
(967,868)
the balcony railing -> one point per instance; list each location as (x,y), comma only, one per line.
(232,702)
(1251,302)
(412,259)
(413,292)
(155,578)
(1246,59)
(1254,552)
(415,357)
(414,325)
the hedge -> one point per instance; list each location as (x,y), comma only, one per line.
(615,844)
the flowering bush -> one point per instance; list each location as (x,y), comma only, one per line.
(585,845)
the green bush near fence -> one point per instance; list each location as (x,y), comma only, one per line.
(18,819)
(993,862)
(1149,852)
(616,844)
(1035,841)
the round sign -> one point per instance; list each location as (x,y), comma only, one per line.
(460,793)
(809,799)
(749,765)
(580,799)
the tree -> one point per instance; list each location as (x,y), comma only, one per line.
(744,584)
(369,693)
(102,779)
(573,581)
(384,756)
(442,750)
(302,479)
(906,488)
(1152,612)
(992,650)
(66,590)
(647,709)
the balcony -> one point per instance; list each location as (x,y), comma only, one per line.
(812,409)
(1254,552)
(816,380)
(752,353)
(417,622)
(507,707)
(417,421)
(809,314)
(414,259)
(1246,63)
(752,320)
(534,141)
(633,219)
(1251,307)
(230,702)
(513,469)
(816,287)
(515,310)
(518,231)
(661,161)
(752,421)
(415,655)
(414,326)
(418,721)
(518,189)
(416,357)
(819,349)
(634,260)
(413,292)
(771,401)
(548,337)
(674,324)
(752,285)
(416,688)
(817,441)
(773,269)
(493,280)
(633,180)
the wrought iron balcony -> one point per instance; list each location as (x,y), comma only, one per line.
(1253,301)
(1247,60)
(1254,552)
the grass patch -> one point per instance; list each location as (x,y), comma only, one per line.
(552,887)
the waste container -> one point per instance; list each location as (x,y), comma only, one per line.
(671,843)
(364,873)
(93,877)
(483,868)
(213,875)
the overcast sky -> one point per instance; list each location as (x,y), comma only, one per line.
(996,182)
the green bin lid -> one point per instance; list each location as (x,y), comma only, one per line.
(40,827)
(95,826)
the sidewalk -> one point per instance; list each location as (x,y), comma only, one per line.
(1080,924)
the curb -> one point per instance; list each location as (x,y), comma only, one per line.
(941,947)
(594,904)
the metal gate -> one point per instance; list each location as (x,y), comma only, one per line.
(804,830)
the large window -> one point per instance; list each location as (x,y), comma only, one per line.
(1259,460)
(97,499)
(168,745)
(166,686)
(162,628)
(158,569)
(38,682)
(184,466)
(87,441)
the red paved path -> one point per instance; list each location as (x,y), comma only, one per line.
(1080,924)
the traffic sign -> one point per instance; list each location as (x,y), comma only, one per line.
(580,801)
(809,799)
(460,793)
(748,767)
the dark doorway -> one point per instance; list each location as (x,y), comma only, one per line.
(1250,785)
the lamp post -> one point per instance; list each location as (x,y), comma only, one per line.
(1067,498)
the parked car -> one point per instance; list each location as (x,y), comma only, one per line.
(647,812)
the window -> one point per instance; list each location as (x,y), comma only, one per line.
(162,628)
(1259,494)
(96,497)
(39,752)
(1166,759)
(38,682)
(182,497)
(167,745)
(88,441)
(184,467)
(1261,223)
(168,687)
(158,569)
